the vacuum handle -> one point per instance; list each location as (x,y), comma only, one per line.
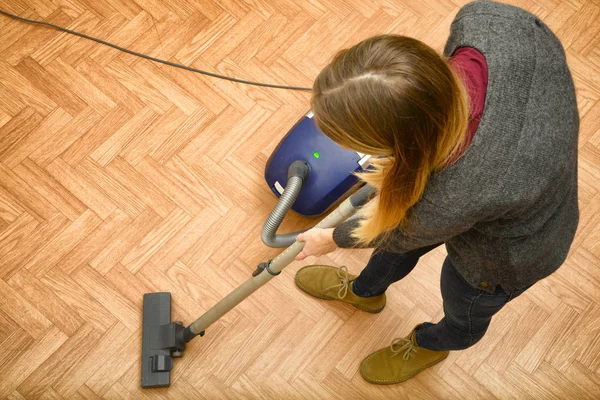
(297,174)
(337,216)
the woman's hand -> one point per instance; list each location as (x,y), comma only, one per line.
(318,242)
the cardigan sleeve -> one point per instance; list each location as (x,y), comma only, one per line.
(427,224)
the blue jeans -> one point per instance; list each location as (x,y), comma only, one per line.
(468,311)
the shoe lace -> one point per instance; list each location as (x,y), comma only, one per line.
(405,345)
(342,273)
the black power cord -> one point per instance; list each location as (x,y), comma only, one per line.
(158,60)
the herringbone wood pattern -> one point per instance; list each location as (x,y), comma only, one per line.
(119,177)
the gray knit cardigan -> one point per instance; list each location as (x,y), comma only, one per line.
(507,210)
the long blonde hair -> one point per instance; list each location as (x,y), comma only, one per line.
(396,98)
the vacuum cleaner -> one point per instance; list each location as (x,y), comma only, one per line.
(309,173)
(331,167)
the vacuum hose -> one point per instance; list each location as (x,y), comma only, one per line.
(297,174)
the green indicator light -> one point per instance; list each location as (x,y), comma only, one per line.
(316,154)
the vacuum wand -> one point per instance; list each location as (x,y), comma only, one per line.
(266,271)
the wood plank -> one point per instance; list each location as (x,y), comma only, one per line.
(206,38)
(29,199)
(137,125)
(220,233)
(162,130)
(515,340)
(176,191)
(141,187)
(73,130)
(154,240)
(126,240)
(139,86)
(62,362)
(183,241)
(533,353)
(588,382)
(20,227)
(50,51)
(196,87)
(26,244)
(176,95)
(246,200)
(305,350)
(94,243)
(79,300)
(51,90)
(9,207)
(233,93)
(45,259)
(108,346)
(113,189)
(34,94)
(115,367)
(20,39)
(189,129)
(78,52)
(47,128)
(14,344)
(22,312)
(200,144)
(81,188)
(30,359)
(124,37)
(94,137)
(13,133)
(46,302)
(50,189)
(93,283)
(109,84)
(239,133)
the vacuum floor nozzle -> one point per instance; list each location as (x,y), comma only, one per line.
(159,340)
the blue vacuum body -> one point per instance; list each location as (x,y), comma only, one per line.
(331,167)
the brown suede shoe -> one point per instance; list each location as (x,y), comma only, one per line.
(400,361)
(330,283)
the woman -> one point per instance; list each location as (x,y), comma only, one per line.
(477,151)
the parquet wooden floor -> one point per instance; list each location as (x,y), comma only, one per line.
(119,177)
